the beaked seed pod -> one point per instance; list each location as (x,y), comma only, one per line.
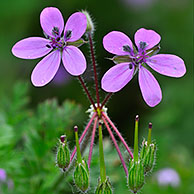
(81,176)
(148,155)
(63,153)
(136,175)
(104,187)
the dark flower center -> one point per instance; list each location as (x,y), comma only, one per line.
(58,42)
(137,57)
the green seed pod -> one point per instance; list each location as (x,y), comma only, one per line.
(148,155)
(136,176)
(63,154)
(81,176)
(104,187)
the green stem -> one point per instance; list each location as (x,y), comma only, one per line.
(101,155)
(79,157)
(136,139)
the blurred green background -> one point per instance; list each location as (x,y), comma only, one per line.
(31,121)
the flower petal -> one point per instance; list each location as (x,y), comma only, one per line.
(150,88)
(51,17)
(46,69)
(76,24)
(150,37)
(166,64)
(114,41)
(117,77)
(73,60)
(31,48)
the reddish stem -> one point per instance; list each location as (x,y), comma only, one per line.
(82,136)
(116,146)
(118,133)
(87,92)
(106,99)
(92,143)
(94,67)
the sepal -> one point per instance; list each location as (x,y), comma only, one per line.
(148,155)
(153,51)
(81,176)
(121,59)
(136,175)
(104,187)
(77,43)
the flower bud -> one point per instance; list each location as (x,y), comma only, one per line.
(148,155)
(81,176)
(63,153)
(90,25)
(104,187)
(136,175)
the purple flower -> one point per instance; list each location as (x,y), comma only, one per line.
(168,176)
(62,46)
(138,60)
(3,175)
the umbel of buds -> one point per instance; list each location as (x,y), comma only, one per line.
(104,187)
(63,153)
(148,153)
(81,173)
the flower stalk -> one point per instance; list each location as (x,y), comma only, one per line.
(101,154)
(87,92)
(83,135)
(116,146)
(118,133)
(94,67)
(92,143)
(108,96)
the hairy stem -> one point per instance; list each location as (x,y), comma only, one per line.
(106,99)
(94,67)
(118,133)
(87,92)
(116,146)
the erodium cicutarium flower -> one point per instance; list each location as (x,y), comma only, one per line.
(130,60)
(56,44)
